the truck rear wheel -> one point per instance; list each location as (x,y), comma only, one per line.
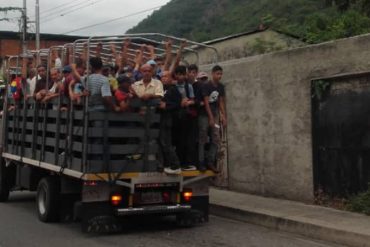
(4,186)
(48,199)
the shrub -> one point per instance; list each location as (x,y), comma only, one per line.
(360,203)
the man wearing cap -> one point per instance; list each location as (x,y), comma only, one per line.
(156,69)
(202,78)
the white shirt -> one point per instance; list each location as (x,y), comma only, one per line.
(154,87)
(32,83)
(58,63)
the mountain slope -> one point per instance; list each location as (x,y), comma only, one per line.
(313,20)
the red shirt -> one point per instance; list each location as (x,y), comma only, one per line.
(120,95)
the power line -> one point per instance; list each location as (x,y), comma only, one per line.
(112,20)
(65,9)
(71,11)
(61,7)
(56,7)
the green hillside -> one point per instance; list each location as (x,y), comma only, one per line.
(313,20)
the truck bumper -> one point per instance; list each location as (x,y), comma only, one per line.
(161,209)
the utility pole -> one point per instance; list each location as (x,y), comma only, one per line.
(37,14)
(24,27)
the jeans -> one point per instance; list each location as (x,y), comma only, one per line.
(211,134)
(170,158)
(185,129)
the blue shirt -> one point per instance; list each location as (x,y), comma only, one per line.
(182,89)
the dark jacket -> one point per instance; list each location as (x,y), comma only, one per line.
(172,97)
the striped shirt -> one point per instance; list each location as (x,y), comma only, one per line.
(98,86)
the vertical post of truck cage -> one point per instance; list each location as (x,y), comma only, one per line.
(57,133)
(86,112)
(15,118)
(5,109)
(69,139)
(45,109)
(57,130)
(17,110)
(68,133)
(24,111)
(35,115)
(58,116)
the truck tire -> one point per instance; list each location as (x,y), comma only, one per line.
(48,199)
(4,186)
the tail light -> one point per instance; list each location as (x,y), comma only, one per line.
(187,195)
(116,199)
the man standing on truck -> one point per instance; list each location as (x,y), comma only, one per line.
(99,89)
(148,88)
(40,81)
(184,124)
(169,105)
(211,118)
(45,95)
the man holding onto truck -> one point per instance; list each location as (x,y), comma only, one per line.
(148,88)
(184,124)
(54,91)
(99,88)
(211,118)
(40,80)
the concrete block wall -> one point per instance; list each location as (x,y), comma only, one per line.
(269,114)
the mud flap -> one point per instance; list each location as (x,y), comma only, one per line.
(99,218)
(197,215)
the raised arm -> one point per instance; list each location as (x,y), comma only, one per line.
(99,49)
(139,58)
(178,56)
(124,53)
(151,50)
(84,52)
(115,55)
(68,59)
(75,72)
(168,58)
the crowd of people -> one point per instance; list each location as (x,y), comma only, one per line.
(191,103)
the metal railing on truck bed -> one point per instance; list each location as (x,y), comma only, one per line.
(37,134)
(80,143)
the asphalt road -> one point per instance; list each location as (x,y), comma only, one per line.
(19,226)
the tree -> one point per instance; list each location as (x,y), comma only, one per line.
(4,11)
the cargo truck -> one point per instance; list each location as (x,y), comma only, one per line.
(96,173)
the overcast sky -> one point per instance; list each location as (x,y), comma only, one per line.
(61,16)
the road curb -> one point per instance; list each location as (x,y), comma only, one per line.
(295,226)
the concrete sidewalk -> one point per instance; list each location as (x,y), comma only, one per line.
(311,221)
